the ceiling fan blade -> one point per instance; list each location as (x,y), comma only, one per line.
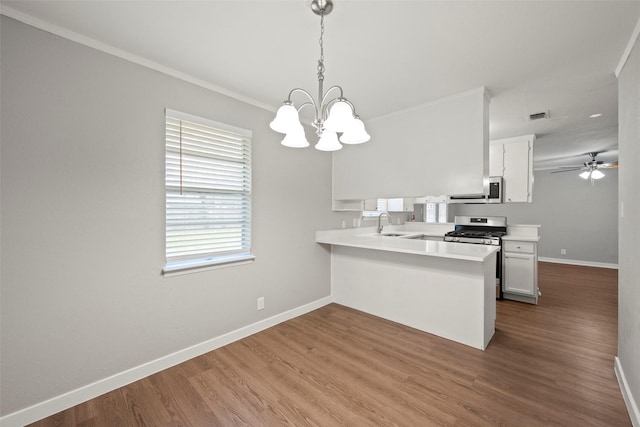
(613,165)
(567,169)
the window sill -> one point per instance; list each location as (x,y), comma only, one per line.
(188,267)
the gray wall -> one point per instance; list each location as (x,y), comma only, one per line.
(82,174)
(574,215)
(629,277)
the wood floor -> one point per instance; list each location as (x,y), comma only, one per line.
(547,365)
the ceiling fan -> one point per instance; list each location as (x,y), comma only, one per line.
(591,169)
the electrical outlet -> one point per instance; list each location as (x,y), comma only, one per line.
(563,251)
(260,303)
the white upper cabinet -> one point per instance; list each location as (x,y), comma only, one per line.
(401,204)
(436,148)
(517,180)
(512,158)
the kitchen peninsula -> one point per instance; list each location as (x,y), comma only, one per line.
(443,288)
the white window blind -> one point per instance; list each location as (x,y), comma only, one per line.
(436,212)
(208,192)
(432,213)
(442,212)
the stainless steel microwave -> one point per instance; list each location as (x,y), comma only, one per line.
(495,194)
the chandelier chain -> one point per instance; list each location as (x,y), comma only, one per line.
(321,42)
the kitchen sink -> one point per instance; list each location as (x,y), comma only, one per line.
(407,235)
(425,237)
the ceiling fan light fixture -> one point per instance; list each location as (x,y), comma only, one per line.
(596,174)
(585,174)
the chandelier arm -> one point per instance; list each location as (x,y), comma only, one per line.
(326,94)
(325,105)
(305,104)
(299,90)
(353,107)
(313,102)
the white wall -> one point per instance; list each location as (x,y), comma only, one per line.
(83,220)
(629,282)
(405,155)
(575,215)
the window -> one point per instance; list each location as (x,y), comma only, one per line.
(436,212)
(381,206)
(208,193)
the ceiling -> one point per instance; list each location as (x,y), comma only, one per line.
(532,56)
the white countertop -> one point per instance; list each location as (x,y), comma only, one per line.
(522,233)
(510,237)
(367,238)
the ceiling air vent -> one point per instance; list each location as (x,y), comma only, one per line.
(539,116)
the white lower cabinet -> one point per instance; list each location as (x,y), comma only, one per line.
(520,278)
(518,270)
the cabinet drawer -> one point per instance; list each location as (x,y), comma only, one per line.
(522,247)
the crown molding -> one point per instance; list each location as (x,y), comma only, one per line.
(627,52)
(128,56)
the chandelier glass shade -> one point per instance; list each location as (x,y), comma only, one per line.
(332,116)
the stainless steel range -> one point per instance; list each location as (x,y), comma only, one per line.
(485,230)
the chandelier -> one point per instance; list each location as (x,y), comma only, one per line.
(332,116)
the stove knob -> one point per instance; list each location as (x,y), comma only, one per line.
(486,241)
(456,239)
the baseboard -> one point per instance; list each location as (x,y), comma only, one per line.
(520,298)
(632,407)
(90,391)
(579,262)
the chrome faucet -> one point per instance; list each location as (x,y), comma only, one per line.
(380,220)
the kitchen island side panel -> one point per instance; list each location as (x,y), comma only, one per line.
(450,298)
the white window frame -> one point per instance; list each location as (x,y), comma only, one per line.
(207,193)
(439,215)
(381,206)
